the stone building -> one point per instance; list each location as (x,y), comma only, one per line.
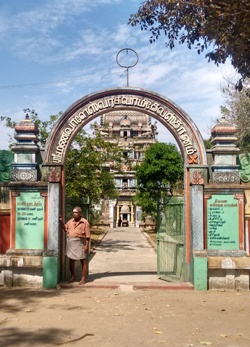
(133,132)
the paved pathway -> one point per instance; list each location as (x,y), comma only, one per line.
(125,258)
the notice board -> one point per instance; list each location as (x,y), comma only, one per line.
(29,221)
(222,222)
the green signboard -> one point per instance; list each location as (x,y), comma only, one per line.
(222,223)
(29,221)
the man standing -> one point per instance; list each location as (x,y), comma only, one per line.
(78,235)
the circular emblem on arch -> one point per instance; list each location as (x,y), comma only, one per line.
(155,105)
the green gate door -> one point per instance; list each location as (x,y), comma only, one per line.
(170,240)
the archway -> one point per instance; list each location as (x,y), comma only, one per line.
(93,105)
(157,106)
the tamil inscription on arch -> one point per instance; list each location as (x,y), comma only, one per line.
(94,105)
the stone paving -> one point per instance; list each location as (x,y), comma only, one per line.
(125,258)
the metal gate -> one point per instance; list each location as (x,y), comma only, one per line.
(170,240)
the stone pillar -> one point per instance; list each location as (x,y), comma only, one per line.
(51,261)
(198,177)
(23,259)
(197,217)
(53,213)
(200,270)
(117,213)
(224,203)
(132,215)
(111,212)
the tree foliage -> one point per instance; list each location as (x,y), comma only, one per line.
(44,127)
(237,110)
(162,167)
(207,143)
(86,175)
(200,23)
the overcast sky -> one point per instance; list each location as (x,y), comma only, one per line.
(55,52)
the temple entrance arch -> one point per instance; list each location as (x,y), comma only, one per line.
(94,105)
(158,107)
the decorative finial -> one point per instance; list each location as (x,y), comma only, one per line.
(130,60)
(223,119)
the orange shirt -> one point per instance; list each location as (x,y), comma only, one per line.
(78,229)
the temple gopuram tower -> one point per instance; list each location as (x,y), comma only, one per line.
(133,132)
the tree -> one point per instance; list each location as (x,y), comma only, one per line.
(89,177)
(87,155)
(207,143)
(162,167)
(237,111)
(44,127)
(201,23)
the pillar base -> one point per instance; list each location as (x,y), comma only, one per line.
(50,272)
(200,271)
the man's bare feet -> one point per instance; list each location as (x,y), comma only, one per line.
(73,279)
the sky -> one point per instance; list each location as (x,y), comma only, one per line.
(56,52)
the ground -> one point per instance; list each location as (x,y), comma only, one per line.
(123,318)
(98,234)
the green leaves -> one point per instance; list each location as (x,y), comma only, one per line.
(214,22)
(86,174)
(162,167)
(43,126)
(237,110)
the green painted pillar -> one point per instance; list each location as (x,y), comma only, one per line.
(200,271)
(50,272)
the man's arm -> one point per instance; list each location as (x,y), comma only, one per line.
(87,233)
(63,226)
(86,247)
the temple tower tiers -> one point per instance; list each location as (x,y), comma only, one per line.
(133,132)
(224,168)
(25,166)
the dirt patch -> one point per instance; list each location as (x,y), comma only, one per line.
(123,318)
(152,235)
(97,235)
